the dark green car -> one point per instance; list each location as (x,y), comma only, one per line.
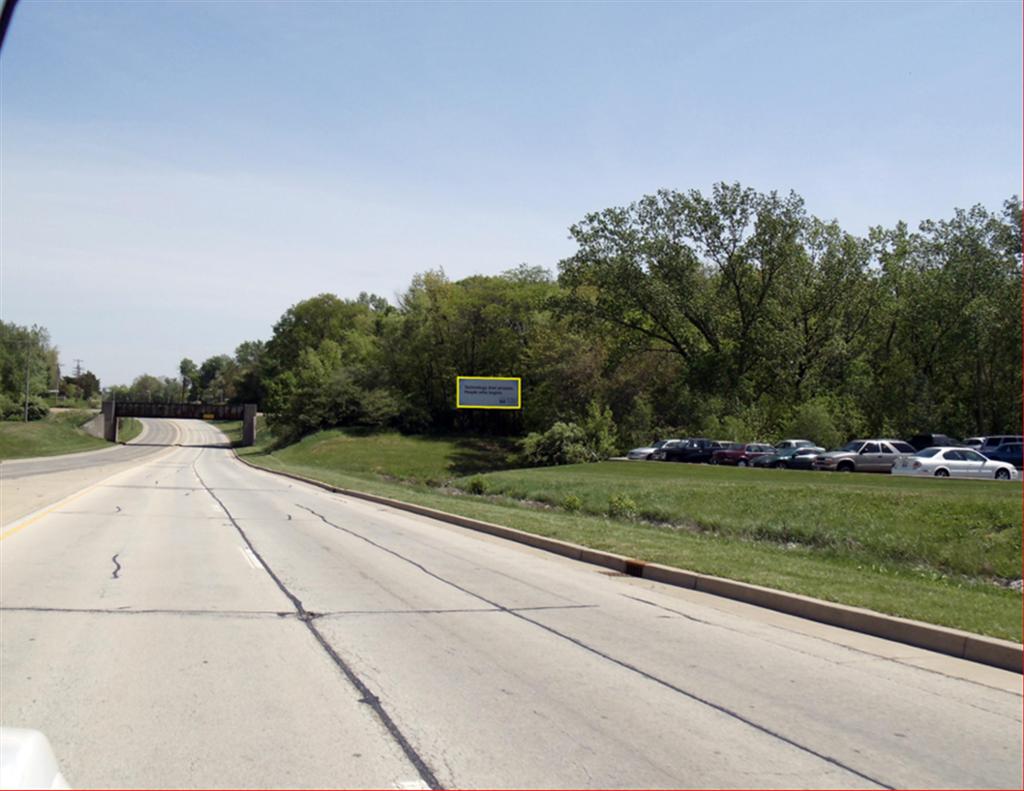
(792,458)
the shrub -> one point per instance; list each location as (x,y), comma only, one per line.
(9,409)
(599,431)
(563,443)
(476,485)
(572,503)
(572,443)
(37,408)
(622,505)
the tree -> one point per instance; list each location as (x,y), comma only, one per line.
(89,384)
(216,376)
(250,362)
(26,351)
(161,389)
(701,277)
(189,373)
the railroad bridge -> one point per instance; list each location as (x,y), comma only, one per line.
(112,410)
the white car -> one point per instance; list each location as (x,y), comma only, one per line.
(947,462)
(793,443)
(640,454)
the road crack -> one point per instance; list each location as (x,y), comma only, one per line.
(608,657)
(117,568)
(308,618)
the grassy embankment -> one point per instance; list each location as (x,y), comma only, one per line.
(55,434)
(931,550)
(128,429)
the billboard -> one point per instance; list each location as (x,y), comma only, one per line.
(488,392)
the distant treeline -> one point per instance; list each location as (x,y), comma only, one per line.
(29,361)
(735,315)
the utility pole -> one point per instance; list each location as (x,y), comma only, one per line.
(27,360)
(78,368)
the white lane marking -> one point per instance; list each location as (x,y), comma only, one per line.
(251,558)
(411,785)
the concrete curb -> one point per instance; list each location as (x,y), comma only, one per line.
(964,645)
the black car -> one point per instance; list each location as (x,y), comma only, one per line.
(791,458)
(696,450)
(922,441)
(1011,453)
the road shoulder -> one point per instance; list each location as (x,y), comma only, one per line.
(991,651)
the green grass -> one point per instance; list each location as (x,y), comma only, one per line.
(953,527)
(922,549)
(128,429)
(385,455)
(53,435)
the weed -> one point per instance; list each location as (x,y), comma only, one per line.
(572,503)
(622,506)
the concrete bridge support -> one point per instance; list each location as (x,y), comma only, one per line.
(249,425)
(110,421)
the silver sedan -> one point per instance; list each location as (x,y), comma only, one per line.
(642,454)
(944,462)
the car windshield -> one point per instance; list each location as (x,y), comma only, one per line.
(853,446)
(659,444)
(903,447)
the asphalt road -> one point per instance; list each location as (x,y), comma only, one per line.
(189,621)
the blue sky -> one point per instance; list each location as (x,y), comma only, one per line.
(176,174)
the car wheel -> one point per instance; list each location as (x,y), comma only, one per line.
(781,465)
(1002,475)
(741,463)
(845,467)
(713,461)
(941,474)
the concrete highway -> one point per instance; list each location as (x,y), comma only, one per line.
(187,621)
(156,435)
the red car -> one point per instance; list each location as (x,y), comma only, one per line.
(741,454)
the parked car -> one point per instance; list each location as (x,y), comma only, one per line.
(645,453)
(741,454)
(695,450)
(991,443)
(922,441)
(974,442)
(794,443)
(864,455)
(958,462)
(804,458)
(799,458)
(1011,453)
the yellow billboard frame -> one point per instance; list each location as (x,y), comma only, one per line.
(519,391)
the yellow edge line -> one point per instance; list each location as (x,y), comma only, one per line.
(52,508)
(81,493)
